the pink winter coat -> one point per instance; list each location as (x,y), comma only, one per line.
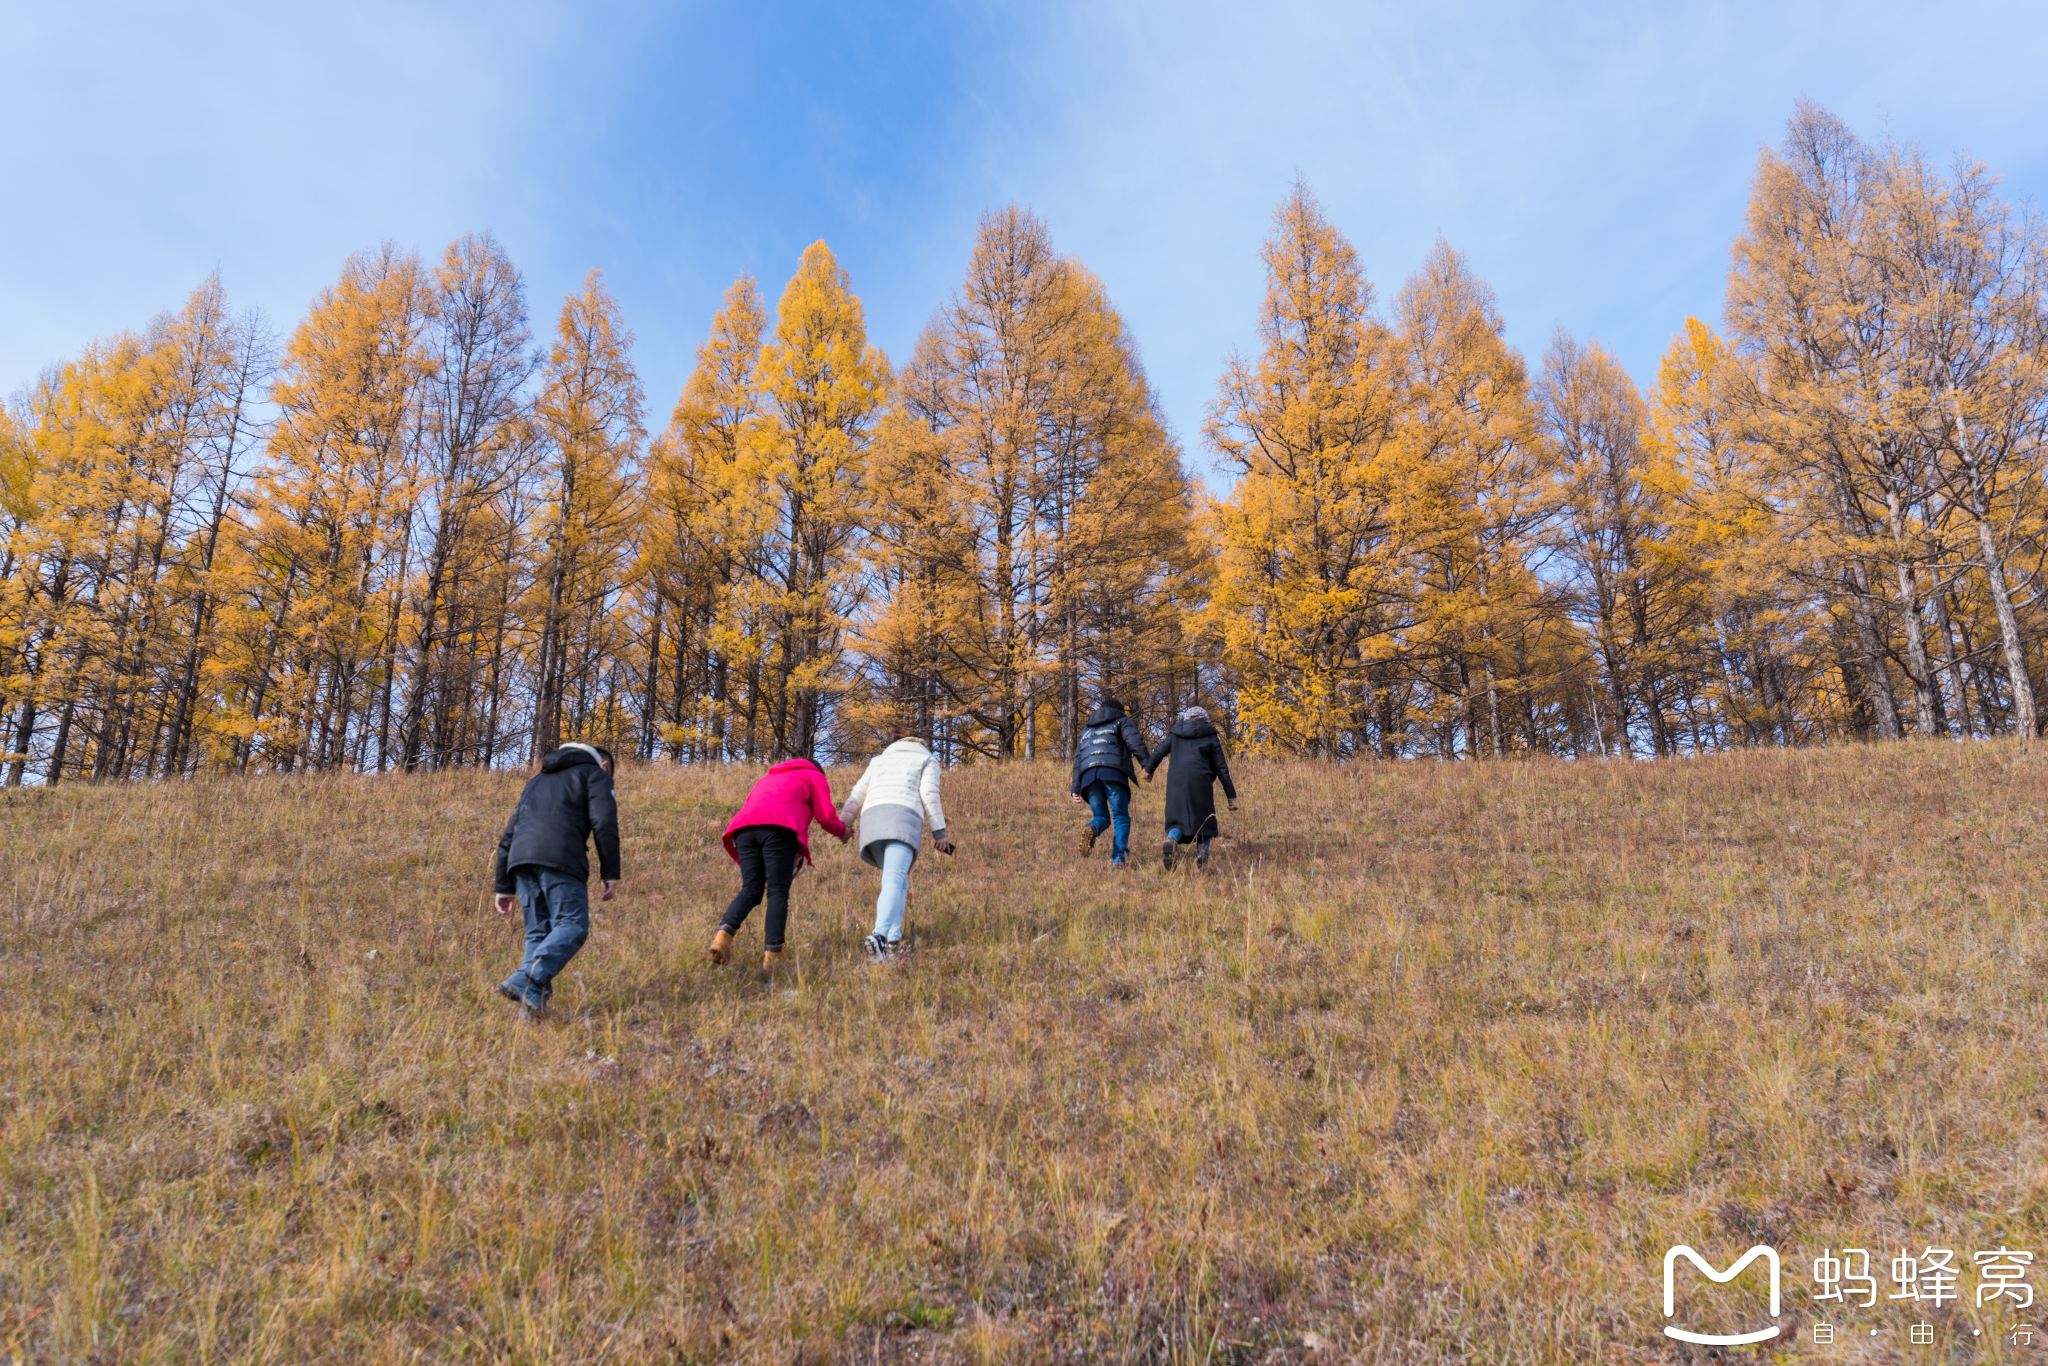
(791,794)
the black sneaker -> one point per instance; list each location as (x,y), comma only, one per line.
(1166,853)
(1202,859)
(514,988)
(534,1004)
(876,946)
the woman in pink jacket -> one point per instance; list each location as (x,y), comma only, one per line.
(768,838)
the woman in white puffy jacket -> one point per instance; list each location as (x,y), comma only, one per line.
(892,799)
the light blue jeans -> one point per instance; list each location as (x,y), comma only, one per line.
(896,860)
(557,911)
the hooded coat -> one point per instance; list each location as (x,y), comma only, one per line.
(567,803)
(791,794)
(1107,748)
(1198,762)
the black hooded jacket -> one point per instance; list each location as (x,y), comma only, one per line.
(1190,783)
(566,803)
(1109,747)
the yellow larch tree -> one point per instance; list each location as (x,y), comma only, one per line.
(1638,595)
(584,548)
(1125,563)
(1808,305)
(318,571)
(1734,529)
(118,494)
(701,543)
(820,386)
(1469,489)
(476,437)
(921,554)
(1309,590)
(1074,512)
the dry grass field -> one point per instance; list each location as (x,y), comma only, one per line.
(1430,1066)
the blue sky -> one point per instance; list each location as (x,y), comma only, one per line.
(1592,160)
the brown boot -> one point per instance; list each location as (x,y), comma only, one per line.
(771,963)
(721,945)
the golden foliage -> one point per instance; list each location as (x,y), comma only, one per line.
(436,545)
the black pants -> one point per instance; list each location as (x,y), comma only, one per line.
(767,864)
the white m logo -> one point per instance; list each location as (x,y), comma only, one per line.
(1720,1278)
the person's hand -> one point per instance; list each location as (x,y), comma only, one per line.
(845,836)
(611,889)
(505,903)
(1148,777)
(945,846)
(1233,806)
(1077,798)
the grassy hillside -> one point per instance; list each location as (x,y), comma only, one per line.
(1431,1066)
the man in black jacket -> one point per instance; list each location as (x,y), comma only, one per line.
(1105,754)
(541,861)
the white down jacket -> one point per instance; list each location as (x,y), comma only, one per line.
(894,796)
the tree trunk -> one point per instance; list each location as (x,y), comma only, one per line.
(1877,677)
(2024,720)
(1917,668)
(1950,665)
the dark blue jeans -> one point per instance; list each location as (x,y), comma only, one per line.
(557,911)
(1111,803)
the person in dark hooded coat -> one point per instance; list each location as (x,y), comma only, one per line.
(1198,764)
(1106,754)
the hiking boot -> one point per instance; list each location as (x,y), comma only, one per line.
(533,1005)
(771,963)
(1202,860)
(1166,853)
(721,946)
(1089,834)
(515,987)
(877,948)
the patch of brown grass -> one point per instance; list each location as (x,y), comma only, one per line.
(1431,1066)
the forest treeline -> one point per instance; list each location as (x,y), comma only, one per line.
(410,533)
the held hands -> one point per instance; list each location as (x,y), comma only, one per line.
(610,890)
(1148,775)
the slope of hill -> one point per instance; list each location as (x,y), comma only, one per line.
(1432,1065)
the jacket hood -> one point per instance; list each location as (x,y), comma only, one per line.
(1188,729)
(795,766)
(568,756)
(1110,710)
(912,741)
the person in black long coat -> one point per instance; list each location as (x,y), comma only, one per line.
(1198,764)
